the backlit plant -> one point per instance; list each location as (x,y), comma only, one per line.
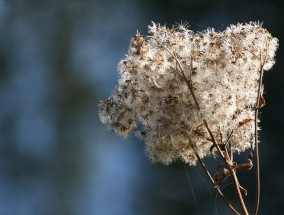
(190,95)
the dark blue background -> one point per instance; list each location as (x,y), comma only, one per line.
(57,59)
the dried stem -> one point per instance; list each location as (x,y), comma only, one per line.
(238,190)
(217,188)
(229,165)
(257,106)
(257,169)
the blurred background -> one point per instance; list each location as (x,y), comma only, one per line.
(58,58)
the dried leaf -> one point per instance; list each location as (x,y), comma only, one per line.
(261,102)
(245,121)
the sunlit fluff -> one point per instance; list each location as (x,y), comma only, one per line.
(152,99)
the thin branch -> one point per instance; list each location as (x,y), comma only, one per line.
(257,168)
(229,138)
(230,146)
(215,143)
(231,170)
(213,183)
(238,190)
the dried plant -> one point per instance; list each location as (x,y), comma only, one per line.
(190,95)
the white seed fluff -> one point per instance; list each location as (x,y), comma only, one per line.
(153,99)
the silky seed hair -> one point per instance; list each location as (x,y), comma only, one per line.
(152,99)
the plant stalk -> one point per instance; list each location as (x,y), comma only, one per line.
(256,151)
(213,183)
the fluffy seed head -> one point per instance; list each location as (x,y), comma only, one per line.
(153,99)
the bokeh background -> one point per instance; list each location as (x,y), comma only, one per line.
(58,58)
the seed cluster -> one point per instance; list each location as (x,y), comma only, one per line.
(173,79)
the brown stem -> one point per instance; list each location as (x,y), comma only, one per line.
(215,143)
(232,171)
(257,168)
(213,183)
(238,190)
